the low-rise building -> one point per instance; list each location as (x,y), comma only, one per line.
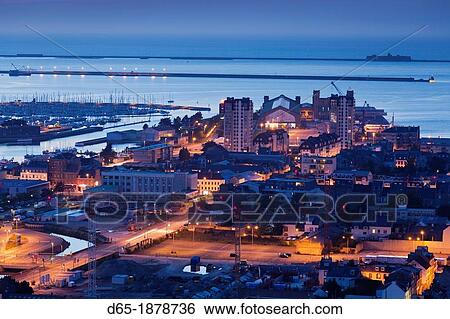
(403,137)
(153,153)
(318,166)
(400,284)
(288,184)
(344,274)
(354,177)
(435,145)
(422,259)
(276,141)
(279,117)
(14,187)
(377,271)
(156,134)
(37,170)
(209,182)
(128,180)
(281,100)
(372,230)
(324,145)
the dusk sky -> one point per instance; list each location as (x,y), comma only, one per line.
(232,17)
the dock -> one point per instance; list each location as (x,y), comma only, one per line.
(91,142)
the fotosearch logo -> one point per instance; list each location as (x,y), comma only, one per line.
(109,207)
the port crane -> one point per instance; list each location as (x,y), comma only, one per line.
(17,72)
(337,89)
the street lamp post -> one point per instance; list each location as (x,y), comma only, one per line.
(53,249)
(348,242)
(253,229)
(193,231)
(412,241)
(173,243)
(422,233)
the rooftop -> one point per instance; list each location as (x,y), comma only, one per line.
(402,129)
(151,147)
(322,139)
(21,183)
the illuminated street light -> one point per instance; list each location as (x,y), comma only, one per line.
(253,229)
(348,242)
(173,242)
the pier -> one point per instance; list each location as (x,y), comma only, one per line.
(30,72)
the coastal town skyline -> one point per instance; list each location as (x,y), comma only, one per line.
(273,156)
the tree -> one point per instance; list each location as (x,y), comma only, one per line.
(437,165)
(165,121)
(46,193)
(333,289)
(209,145)
(185,120)
(414,200)
(197,117)
(59,188)
(177,123)
(444,211)
(11,286)
(108,154)
(184,154)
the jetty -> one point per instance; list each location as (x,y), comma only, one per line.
(111,74)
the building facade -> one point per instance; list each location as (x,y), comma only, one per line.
(274,141)
(37,171)
(238,124)
(345,119)
(325,145)
(403,137)
(318,166)
(153,153)
(209,182)
(128,180)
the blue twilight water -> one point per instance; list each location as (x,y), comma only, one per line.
(75,244)
(421,104)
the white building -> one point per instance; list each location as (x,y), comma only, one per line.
(128,180)
(394,291)
(371,232)
(317,165)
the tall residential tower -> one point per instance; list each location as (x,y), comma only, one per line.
(238,124)
(345,119)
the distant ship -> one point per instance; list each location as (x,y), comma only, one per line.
(389,58)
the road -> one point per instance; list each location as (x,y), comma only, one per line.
(257,253)
(120,239)
(33,242)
